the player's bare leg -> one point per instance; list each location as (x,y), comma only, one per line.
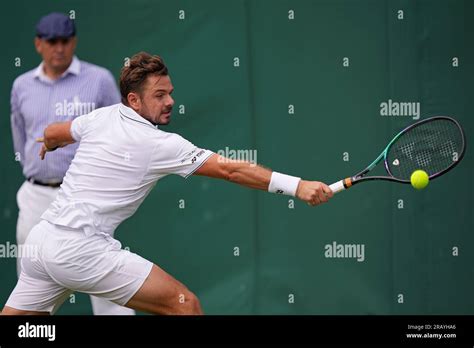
(162,294)
(12,311)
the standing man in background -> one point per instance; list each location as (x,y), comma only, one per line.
(61,88)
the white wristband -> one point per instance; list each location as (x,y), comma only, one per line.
(283,184)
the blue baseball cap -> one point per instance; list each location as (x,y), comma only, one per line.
(55,25)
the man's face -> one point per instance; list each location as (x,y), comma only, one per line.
(57,53)
(155,103)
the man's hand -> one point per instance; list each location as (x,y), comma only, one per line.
(55,135)
(44,149)
(313,192)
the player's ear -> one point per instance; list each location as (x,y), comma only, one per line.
(74,42)
(134,101)
(38,44)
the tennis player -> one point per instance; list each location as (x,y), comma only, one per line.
(122,153)
(62,88)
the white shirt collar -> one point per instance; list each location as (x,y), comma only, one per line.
(129,113)
(74,68)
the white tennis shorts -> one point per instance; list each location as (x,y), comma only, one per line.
(61,261)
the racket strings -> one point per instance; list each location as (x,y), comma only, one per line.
(432,146)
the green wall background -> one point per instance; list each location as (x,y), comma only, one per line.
(408,251)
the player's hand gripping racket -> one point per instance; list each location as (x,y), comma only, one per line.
(435,145)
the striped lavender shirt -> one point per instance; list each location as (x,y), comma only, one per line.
(37,101)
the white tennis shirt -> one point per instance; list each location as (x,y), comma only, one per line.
(120,158)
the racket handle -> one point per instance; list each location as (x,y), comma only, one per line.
(337,186)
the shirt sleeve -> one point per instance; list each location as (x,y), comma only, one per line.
(176,155)
(18,126)
(109,90)
(80,125)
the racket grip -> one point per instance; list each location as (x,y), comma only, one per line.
(337,186)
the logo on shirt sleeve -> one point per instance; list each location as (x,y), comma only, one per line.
(199,154)
(195,157)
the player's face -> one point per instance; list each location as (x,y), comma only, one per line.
(156,101)
(57,54)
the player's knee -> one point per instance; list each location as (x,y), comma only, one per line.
(189,304)
(195,305)
(12,311)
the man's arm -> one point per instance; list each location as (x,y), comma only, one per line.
(56,135)
(18,127)
(258,177)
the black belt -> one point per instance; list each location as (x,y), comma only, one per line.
(50,184)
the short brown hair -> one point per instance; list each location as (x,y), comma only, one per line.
(134,74)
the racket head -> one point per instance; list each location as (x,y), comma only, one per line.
(435,145)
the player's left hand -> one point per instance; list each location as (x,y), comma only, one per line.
(44,149)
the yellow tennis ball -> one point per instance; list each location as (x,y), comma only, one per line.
(419,179)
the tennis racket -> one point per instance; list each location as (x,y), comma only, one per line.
(435,145)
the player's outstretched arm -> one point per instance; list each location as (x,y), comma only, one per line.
(258,177)
(55,135)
